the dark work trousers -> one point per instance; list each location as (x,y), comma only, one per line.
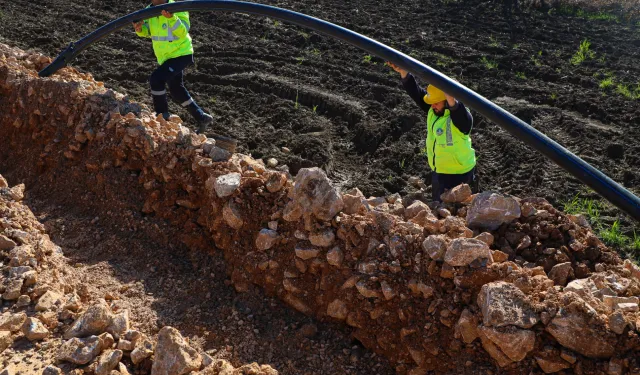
(441,182)
(171,74)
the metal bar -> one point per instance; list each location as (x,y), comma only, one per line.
(603,185)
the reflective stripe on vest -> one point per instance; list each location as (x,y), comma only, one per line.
(170,37)
(449,135)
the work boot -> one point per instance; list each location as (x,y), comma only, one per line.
(204,123)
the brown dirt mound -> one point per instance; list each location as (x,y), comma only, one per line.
(455,288)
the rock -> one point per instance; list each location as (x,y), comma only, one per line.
(51,370)
(366,291)
(13,290)
(5,340)
(462,251)
(275,181)
(119,324)
(458,194)
(513,342)
(173,356)
(485,237)
(207,146)
(568,356)
(629,304)
(354,202)
(552,365)
(80,351)
(315,195)
(272,163)
(338,310)
(494,351)
(34,330)
(93,322)
(467,327)
(106,341)
(72,302)
(141,352)
(617,323)
(490,210)
(573,331)
(335,257)
(3,182)
(12,322)
(415,208)
(560,273)
(504,304)
(227,184)
(615,367)
(17,193)
(219,154)
(387,291)
(579,219)
(308,330)
(49,301)
(306,252)
(499,256)
(322,239)
(231,215)
(108,361)
(582,287)
(6,243)
(435,246)
(266,239)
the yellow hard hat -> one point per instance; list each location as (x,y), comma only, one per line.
(434,95)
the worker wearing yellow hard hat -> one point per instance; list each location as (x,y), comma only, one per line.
(448,146)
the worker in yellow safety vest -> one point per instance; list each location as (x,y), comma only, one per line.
(173,49)
(448,147)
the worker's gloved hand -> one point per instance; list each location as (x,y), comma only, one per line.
(403,73)
(137,26)
(167,14)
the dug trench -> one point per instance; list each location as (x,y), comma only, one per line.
(144,202)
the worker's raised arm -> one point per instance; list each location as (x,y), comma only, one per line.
(178,23)
(142,29)
(416,92)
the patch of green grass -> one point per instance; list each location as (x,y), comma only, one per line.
(521,75)
(635,242)
(625,91)
(367,59)
(276,23)
(554,96)
(489,64)
(606,83)
(535,59)
(516,46)
(297,105)
(213,100)
(613,236)
(300,60)
(315,109)
(401,164)
(586,206)
(584,52)
(493,42)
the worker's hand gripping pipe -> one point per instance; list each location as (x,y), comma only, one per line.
(592,177)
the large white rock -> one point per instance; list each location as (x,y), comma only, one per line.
(463,251)
(227,184)
(490,210)
(503,304)
(173,356)
(315,195)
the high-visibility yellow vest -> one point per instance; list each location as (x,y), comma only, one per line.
(170,36)
(448,149)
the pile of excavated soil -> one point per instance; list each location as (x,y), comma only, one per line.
(486,283)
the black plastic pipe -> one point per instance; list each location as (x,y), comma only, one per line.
(603,185)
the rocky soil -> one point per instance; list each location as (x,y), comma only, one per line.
(487,283)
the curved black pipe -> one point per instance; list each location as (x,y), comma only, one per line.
(592,177)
